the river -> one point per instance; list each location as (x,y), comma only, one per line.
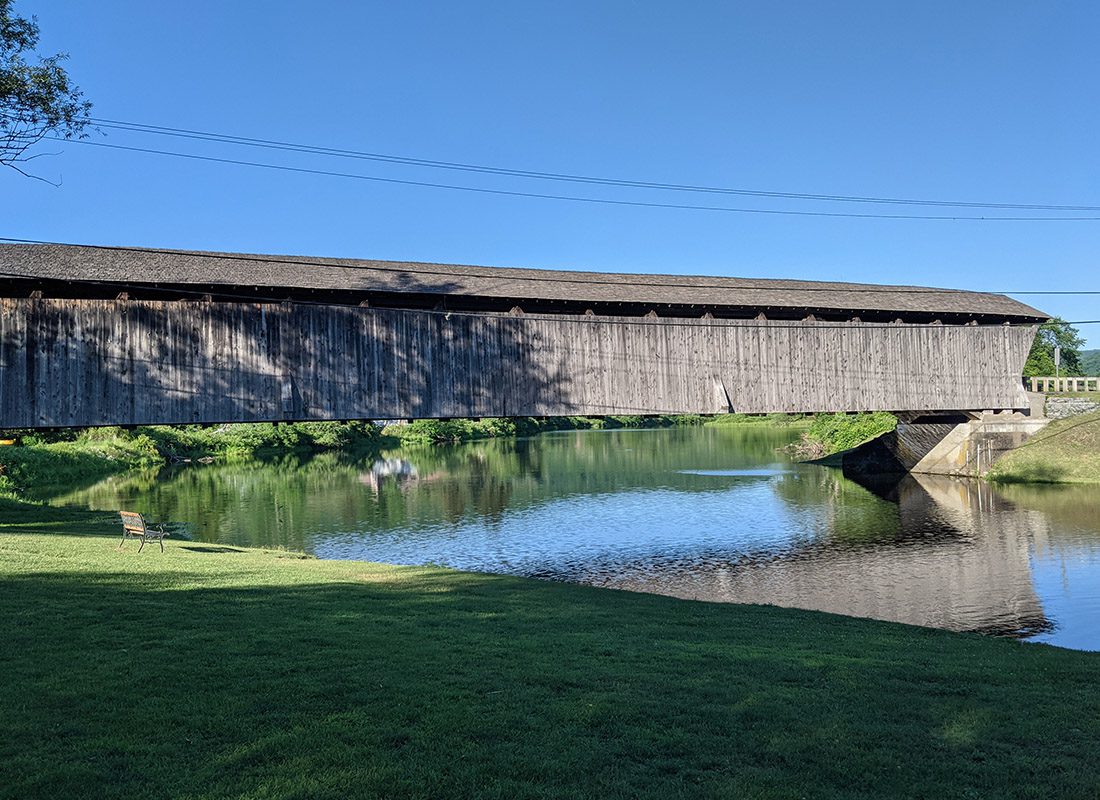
(716,513)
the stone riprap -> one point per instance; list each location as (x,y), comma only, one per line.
(1062,407)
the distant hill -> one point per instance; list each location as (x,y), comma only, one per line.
(1090,362)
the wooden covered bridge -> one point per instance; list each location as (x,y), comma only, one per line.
(124,336)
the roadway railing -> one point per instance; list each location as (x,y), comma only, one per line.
(1049,385)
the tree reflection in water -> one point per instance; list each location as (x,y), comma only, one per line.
(714,513)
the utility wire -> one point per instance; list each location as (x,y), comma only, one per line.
(619,280)
(574,198)
(274,144)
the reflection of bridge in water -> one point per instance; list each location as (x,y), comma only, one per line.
(953,562)
(398,470)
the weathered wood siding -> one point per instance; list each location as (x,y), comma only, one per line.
(96,362)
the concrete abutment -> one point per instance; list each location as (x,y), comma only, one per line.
(965,448)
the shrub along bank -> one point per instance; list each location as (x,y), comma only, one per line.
(211,672)
(435,431)
(832,433)
(58,457)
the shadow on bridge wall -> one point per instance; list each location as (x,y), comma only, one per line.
(93,362)
(97,362)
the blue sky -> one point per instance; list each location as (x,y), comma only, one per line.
(982,101)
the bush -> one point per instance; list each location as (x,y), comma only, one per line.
(106,434)
(439,431)
(146,447)
(326,435)
(96,452)
(31,436)
(832,433)
(29,468)
(496,427)
(746,419)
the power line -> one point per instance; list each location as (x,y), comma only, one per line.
(572,198)
(561,277)
(274,144)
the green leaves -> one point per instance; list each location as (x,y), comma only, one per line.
(836,432)
(36,100)
(1057,332)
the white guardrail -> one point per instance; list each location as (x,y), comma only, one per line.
(1049,385)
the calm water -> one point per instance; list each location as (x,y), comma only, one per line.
(710,513)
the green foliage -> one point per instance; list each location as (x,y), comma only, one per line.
(1090,362)
(31,468)
(31,436)
(214,671)
(439,431)
(532,426)
(435,431)
(244,440)
(831,433)
(146,447)
(337,435)
(756,419)
(1040,361)
(36,99)
(49,458)
(497,427)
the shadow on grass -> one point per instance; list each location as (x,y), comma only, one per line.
(1029,472)
(414,683)
(211,549)
(19,516)
(39,517)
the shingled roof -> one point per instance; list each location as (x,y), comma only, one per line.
(130,267)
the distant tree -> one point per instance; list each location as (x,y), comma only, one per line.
(1090,362)
(36,99)
(1057,332)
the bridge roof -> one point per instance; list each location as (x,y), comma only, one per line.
(131,267)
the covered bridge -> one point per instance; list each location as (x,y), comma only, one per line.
(111,335)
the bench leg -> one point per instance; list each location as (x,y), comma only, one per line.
(161,544)
(123,540)
(142,543)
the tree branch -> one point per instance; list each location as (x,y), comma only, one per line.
(36,177)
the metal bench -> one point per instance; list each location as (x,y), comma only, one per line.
(135,527)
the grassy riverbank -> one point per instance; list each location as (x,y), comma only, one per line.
(211,672)
(1066,451)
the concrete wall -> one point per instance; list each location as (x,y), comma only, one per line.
(965,449)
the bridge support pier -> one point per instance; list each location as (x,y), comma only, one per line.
(942,446)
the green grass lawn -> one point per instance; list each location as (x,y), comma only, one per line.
(1065,451)
(213,672)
